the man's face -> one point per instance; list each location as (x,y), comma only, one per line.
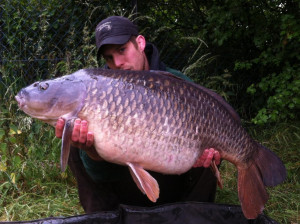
(125,57)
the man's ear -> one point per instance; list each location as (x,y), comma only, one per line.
(141,41)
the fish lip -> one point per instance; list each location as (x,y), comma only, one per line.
(20,101)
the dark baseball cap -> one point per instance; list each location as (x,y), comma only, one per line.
(114,30)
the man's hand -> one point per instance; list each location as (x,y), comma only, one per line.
(81,137)
(80,132)
(207,157)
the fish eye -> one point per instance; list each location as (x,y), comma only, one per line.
(35,84)
(43,86)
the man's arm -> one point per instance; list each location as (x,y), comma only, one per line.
(84,139)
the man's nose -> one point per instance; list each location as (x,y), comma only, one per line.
(118,61)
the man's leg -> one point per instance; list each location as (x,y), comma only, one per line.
(93,197)
(200,185)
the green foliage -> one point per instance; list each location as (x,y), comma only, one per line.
(45,38)
(284,96)
(30,178)
(262,39)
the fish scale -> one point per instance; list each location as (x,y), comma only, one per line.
(155,121)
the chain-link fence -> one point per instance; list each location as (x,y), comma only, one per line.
(38,39)
(42,39)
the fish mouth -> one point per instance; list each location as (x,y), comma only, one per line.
(20,100)
(22,104)
(24,107)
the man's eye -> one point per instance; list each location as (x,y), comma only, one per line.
(121,50)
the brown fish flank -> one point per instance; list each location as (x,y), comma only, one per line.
(154,121)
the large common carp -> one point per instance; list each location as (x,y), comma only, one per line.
(155,121)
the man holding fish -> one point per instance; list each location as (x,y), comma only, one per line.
(153,123)
(103,185)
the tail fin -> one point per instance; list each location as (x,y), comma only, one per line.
(267,170)
(252,192)
(271,167)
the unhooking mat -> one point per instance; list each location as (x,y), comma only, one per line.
(177,213)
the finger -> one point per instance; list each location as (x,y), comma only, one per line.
(76,130)
(217,157)
(209,158)
(59,127)
(201,159)
(83,131)
(89,139)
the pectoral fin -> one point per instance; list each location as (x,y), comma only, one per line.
(217,173)
(145,182)
(66,143)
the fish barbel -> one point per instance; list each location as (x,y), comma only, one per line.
(151,120)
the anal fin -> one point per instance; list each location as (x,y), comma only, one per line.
(145,182)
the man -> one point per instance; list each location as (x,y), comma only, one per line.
(102,185)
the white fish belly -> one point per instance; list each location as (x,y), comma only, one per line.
(151,154)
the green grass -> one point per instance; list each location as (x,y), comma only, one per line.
(52,199)
(32,187)
(31,184)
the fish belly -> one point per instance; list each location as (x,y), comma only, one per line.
(150,150)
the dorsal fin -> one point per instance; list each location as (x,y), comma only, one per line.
(165,73)
(206,90)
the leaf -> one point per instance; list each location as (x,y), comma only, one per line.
(12,140)
(64,175)
(17,161)
(13,178)
(3,167)
(13,127)
(3,147)
(2,133)
(14,130)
